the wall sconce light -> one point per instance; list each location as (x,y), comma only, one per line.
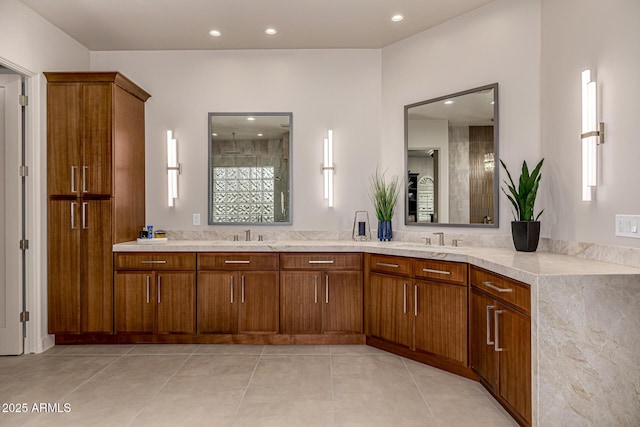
(592,135)
(328,167)
(173,169)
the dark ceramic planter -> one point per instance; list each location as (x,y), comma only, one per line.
(526,235)
(384,230)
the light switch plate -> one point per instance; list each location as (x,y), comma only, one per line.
(196,219)
(628,226)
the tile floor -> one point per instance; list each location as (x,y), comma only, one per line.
(238,385)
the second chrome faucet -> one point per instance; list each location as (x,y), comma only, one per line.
(440,235)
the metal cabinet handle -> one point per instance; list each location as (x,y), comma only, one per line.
(243,288)
(73,215)
(148,287)
(428,270)
(159,289)
(326,289)
(84,178)
(84,215)
(321,262)
(231,285)
(227,261)
(315,286)
(495,325)
(405,299)
(153,262)
(384,264)
(495,288)
(489,308)
(415,302)
(73,179)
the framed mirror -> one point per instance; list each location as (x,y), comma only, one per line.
(451,154)
(250,168)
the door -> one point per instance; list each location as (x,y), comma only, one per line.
(11,214)
(135,296)
(218,300)
(95,169)
(483,355)
(342,297)
(63,136)
(391,316)
(300,302)
(176,298)
(259,302)
(441,320)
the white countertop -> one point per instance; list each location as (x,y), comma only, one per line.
(522,266)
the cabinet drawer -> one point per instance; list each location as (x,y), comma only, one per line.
(502,288)
(391,264)
(321,261)
(237,261)
(441,271)
(155,261)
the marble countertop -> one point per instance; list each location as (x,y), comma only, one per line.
(522,266)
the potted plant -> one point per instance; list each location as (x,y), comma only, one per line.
(384,196)
(525,228)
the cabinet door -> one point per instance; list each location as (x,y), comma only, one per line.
(441,319)
(259,301)
(96,282)
(176,298)
(483,356)
(342,298)
(391,315)
(300,302)
(64,266)
(63,139)
(95,171)
(135,302)
(513,342)
(218,301)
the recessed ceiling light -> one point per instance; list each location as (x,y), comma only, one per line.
(214,134)
(448,102)
(271,31)
(215,33)
(251,118)
(260,134)
(397,18)
(492,102)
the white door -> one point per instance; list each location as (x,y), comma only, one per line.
(11,287)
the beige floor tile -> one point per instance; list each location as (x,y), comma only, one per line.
(152,349)
(203,374)
(357,350)
(284,413)
(86,350)
(229,349)
(296,349)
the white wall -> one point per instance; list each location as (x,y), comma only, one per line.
(603,36)
(325,89)
(30,44)
(497,43)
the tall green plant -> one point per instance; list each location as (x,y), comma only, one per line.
(524,199)
(384,195)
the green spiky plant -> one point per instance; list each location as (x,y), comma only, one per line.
(524,198)
(384,195)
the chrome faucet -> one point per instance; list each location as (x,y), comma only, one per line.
(247,235)
(440,235)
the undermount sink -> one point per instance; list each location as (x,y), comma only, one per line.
(424,246)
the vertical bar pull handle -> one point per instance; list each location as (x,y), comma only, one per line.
(415,300)
(158,289)
(148,286)
(496,332)
(326,289)
(405,299)
(84,178)
(243,288)
(315,289)
(489,308)
(73,215)
(84,215)
(73,179)
(231,286)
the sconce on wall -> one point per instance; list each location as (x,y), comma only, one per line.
(592,135)
(173,169)
(328,167)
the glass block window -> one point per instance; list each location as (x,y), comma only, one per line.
(243,194)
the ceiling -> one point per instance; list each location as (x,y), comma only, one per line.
(301,24)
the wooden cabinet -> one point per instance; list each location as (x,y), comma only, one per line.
(391,313)
(238,293)
(321,293)
(95,181)
(501,340)
(155,301)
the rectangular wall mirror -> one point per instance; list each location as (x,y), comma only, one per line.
(250,168)
(451,153)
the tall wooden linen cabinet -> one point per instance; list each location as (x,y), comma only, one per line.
(95,186)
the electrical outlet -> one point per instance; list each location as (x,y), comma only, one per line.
(196,219)
(628,226)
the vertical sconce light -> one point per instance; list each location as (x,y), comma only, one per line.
(328,167)
(173,169)
(592,135)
